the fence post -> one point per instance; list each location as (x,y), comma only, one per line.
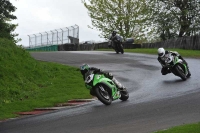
(57,36)
(41,37)
(52,36)
(29,41)
(77,31)
(62,35)
(35,40)
(73,32)
(68,34)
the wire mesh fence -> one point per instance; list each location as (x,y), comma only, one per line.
(55,37)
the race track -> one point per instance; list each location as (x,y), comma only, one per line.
(156,101)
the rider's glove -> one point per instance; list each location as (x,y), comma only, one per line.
(175,53)
(110,75)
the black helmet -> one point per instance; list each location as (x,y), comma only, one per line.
(114,33)
(84,68)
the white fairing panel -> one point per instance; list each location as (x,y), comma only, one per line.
(89,78)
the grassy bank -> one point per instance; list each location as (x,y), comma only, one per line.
(26,84)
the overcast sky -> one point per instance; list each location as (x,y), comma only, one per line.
(35,16)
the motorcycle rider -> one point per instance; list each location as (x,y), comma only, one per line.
(85,68)
(115,38)
(162,54)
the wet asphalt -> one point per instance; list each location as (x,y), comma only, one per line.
(156,102)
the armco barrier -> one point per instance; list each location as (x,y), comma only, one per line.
(44,48)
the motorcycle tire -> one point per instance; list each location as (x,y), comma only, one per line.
(189,74)
(124,95)
(103,95)
(180,72)
(121,49)
(116,50)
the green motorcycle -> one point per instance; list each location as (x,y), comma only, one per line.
(104,88)
(177,67)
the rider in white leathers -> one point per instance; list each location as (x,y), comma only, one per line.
(162,54)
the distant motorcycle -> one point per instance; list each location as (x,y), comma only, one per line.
(104,88)
(116,43)
(177,67)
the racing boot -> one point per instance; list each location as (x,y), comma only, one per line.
(165,71)
(118,84)
(189,74)
(92,92)
(168,70)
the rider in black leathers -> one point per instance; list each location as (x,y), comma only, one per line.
(115,38)
(85,68)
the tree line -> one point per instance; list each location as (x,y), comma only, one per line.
(145,20)
(6,16)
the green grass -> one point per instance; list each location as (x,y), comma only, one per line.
(189,128)
(26,84)
(184,53)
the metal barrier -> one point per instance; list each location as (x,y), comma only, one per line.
(54,37)
(44,48)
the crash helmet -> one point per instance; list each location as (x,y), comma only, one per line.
(114,33)
(84,68)
(161,52)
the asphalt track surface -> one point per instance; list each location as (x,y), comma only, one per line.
(156,102)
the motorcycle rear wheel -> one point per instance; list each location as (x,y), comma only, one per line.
(121,49)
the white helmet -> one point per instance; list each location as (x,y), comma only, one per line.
(161,52)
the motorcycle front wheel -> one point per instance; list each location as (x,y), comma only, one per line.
(121,49)
(180,71)
(103,95)
(116,50)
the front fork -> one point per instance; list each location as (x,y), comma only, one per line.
(186,69)
(116,93)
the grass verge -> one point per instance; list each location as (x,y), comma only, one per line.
(184,53)
(189,128)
